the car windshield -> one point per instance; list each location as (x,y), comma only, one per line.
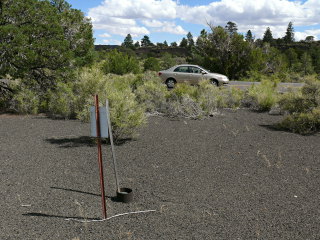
(205,69)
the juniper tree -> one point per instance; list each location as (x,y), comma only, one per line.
(267,37)
(289,37)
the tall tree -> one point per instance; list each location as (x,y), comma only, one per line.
(309,39)
(190,40)
(128,42)
(41,41)
(249,37)
(203,36)
(289,37)
(184,43)
(267,37)
(145,41)
(137,44)
(231,27)
(223,52)
(173,44)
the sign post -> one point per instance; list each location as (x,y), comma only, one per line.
(97,116)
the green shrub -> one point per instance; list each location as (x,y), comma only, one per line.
(304,100)
(167,61)
(25,101)
(127,115)
(120,63)
(62,100)
(211,97)
(206,96)
(185,107)
(152,64)
(302,123)
(182,90)
(303,108)
(152,94)
(261,97)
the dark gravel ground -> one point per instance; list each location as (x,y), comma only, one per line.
(227,177)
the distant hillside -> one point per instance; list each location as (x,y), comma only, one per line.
(148,51)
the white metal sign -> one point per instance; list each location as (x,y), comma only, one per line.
(103,122)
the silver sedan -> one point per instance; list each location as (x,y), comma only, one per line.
(190,74)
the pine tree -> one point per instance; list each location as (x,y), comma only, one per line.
(184,43)
(128,42)
(289,37)
(145,41)
(231,27)
(165,43)
(202,37)
(190,40)
(137,44)
(267,37)
(173,44)
(249,37)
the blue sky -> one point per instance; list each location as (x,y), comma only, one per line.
(171,20)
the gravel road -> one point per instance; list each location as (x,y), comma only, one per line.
(227,177)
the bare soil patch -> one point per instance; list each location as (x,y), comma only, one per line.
(227,177)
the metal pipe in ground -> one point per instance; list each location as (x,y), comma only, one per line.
(112,147)
(104,210)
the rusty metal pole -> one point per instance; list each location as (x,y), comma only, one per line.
(104,210)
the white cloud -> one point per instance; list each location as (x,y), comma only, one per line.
(105,35)
(152,23)
(140,17)
(120,17)
(111,42)
(171,28)
(255,15)
(303,35)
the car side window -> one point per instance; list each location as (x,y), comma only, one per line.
(181,69)
(195,70)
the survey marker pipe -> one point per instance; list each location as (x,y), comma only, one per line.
(112,146)
(103,200)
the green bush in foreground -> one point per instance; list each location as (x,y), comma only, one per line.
(127,115)
(303,123)
(303,108)
(261,97)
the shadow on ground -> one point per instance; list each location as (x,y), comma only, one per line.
(79,191)
(277,128)
(112,198)
(34,214)
(73,142)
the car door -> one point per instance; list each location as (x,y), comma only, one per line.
(181,74)
(195,75)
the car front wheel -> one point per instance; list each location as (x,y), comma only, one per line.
(215,82)
(170,83)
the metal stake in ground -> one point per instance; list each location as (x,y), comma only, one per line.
(104,210)
(112,147)
(123,194)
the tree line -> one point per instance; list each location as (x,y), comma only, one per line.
(224,50)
